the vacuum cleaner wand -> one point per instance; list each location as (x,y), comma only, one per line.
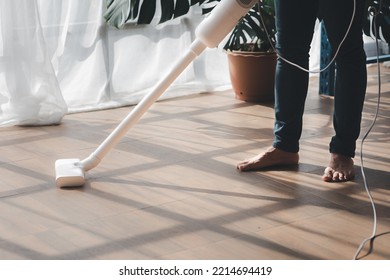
(211,31)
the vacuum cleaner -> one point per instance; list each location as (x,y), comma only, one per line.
(210,32)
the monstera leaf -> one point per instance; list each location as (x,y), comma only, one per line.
(380,10)
(247,35)
(250,34)
(120,12)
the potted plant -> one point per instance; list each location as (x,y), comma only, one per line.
(250,46)
(251,55)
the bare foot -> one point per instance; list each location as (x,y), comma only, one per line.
(271,157)
(340,169)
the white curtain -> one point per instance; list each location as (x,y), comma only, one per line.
(59,57)
(29,90)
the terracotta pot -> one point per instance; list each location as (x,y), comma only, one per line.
(252,75)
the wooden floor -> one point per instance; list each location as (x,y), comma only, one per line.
(170,189)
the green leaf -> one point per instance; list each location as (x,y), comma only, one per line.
(146,14)
(119,12)
(182,7)
(134,7)
(116,13)
(167,10)
(381,10)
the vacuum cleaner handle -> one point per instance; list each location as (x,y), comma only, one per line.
(93,160)
(209,33)
(223,18)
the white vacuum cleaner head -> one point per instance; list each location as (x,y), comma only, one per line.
(69,173)
(210,32)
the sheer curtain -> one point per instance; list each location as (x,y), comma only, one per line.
(29,90)
(59,57)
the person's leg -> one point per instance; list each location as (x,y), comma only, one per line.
(351,82)
(295,22)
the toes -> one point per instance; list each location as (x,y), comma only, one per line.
(331,175)
(338,177)
(242,165)
(328,175)
(245,165)
(342,177)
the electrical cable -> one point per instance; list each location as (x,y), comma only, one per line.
(375,13)
(300,67)
(373,235)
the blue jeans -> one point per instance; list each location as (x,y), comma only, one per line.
(295,20)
